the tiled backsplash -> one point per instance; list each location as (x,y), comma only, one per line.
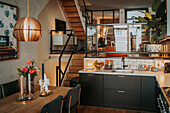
(117,62)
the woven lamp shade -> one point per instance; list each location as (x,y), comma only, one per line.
(27,29)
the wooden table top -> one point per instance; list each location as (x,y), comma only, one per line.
(9,104)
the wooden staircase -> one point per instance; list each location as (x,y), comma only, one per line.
(74,18)
(77,64)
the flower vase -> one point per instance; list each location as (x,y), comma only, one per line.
(32,85)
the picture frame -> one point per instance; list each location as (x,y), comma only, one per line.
(159,64)
(108,64)
(8,18)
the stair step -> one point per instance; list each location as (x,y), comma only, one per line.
(67,3)
(78,29)
(71,10)
(81,37)
(74,20)
(66,83)
(70,76)
(79,56)
(77,62)
(76,25)
(75,68)
(72,15)
(80,33)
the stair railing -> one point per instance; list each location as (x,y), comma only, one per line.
(86,13)
(59,73)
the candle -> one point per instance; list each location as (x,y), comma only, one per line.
(22,85)
(42,71)
(29,82)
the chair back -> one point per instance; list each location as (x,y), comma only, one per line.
(75,96)
(1,92)
(10,88)
(53,106)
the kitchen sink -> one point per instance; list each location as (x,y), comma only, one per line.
(123,71)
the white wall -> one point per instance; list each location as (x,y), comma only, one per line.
(27,50)
(47,19)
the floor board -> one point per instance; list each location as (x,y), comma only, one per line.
(87,109)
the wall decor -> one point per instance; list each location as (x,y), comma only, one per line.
(8,18)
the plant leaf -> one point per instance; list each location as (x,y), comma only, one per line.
(161,10)
(155,5)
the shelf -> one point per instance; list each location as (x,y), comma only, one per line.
(129,52)
(140,57)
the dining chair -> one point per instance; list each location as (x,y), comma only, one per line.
(72,100)
(54,106)
(0,92)
(10,88)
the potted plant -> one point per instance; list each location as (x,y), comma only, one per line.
(156,25)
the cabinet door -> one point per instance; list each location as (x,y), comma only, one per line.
(122,91)
(122,82)
(122,98)
(91,91)
(148,93)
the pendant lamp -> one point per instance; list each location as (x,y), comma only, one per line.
(27,28)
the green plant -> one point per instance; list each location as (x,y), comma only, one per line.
(156,24)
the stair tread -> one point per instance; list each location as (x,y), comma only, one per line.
(70,10)
(68,3)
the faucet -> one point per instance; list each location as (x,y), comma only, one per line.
(123,60)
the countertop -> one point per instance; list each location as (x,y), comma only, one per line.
(162,78)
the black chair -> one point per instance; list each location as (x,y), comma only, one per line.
(72,101)
(10,88)
(1,92)
(54,106)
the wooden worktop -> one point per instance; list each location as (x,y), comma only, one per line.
(9,104)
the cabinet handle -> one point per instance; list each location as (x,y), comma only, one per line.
(121,76)
(90,75)
(121,91)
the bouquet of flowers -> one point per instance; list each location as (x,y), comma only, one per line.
(28,69)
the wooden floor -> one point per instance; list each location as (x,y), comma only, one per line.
(85,109)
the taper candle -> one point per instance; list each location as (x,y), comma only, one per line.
(42,71)
(29,82)
(22,84)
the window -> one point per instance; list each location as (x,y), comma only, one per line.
(130,14)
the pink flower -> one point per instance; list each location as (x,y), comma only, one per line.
(25,69)
(37,71)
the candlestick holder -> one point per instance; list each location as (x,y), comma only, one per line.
(22,99)
(43,93)
(30,96)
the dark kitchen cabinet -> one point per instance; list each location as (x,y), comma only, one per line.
(148,96)
(119,91)
(91,85)
(122,91)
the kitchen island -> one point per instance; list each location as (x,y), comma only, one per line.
(139,90)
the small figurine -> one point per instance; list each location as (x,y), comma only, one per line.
(44,85)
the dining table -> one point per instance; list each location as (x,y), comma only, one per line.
(10,104)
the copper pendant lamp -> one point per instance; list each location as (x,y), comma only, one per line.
(27,28)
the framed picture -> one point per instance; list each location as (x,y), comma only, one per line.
(159,64)
(108,64)
(9,47)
